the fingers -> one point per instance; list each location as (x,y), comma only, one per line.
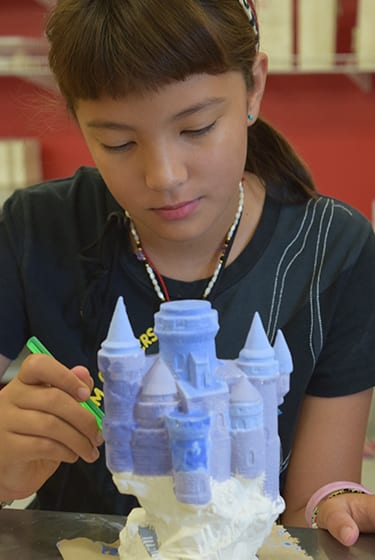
(42,424)
(347,515)
(341,526)
(47,438)
(84,375)
(40,369)
(41,417)
(48,412)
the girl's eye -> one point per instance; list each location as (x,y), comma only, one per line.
(200,131)
(120,148)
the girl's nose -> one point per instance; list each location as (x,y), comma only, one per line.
(164,169)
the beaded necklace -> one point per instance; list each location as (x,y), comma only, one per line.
(155,276)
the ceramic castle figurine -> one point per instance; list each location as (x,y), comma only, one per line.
(194,437)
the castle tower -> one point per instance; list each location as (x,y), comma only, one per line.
(122,363)
(189,436)
(186,329)
(247,430)
(284,357)
(257,360)
(157,399)
(212,399)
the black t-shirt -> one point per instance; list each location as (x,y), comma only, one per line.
(65,258)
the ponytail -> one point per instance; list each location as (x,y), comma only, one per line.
(271,158)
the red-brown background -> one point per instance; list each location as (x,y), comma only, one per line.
(328,118)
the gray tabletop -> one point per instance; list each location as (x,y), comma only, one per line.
(32,535)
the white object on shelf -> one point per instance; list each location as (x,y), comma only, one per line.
(5,171)
(20,164)
(364,38)
(317,32)
(276,32)
(26,58)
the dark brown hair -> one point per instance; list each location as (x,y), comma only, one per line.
(116,47)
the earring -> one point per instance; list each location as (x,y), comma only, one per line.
(250,117)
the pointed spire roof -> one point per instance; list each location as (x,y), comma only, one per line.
(159,381)
(120,335)
(257,357)
(282,354)
(243,391)
(257,342)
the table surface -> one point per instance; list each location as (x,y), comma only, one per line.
(32,535)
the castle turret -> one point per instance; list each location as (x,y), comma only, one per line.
(157,399)
(189,441)
(122,363)
(283,356)
(186,331)
(248,445)
(257,360)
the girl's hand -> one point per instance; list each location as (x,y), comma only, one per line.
(347,515)
(42,424)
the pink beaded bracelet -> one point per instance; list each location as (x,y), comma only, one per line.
(329,491)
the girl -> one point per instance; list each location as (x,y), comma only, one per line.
(193,196)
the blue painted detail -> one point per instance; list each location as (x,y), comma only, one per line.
(185,413)
(188,435)
(109,551)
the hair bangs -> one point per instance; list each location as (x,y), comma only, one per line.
(118,47)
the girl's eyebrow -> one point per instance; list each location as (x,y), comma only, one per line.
(197,107)
(193,109)
(111,125)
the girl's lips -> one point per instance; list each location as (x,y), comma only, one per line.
(178,211)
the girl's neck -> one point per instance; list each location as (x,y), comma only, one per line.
(197,259)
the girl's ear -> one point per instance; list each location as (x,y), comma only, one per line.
(255,94)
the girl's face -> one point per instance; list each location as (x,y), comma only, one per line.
(173,158)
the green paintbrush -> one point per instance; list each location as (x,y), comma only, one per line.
(36,347)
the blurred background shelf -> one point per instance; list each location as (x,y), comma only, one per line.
(26,58)
(295,35)
(314,37)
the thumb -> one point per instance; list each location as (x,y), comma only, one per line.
(84,375)
(340,524)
